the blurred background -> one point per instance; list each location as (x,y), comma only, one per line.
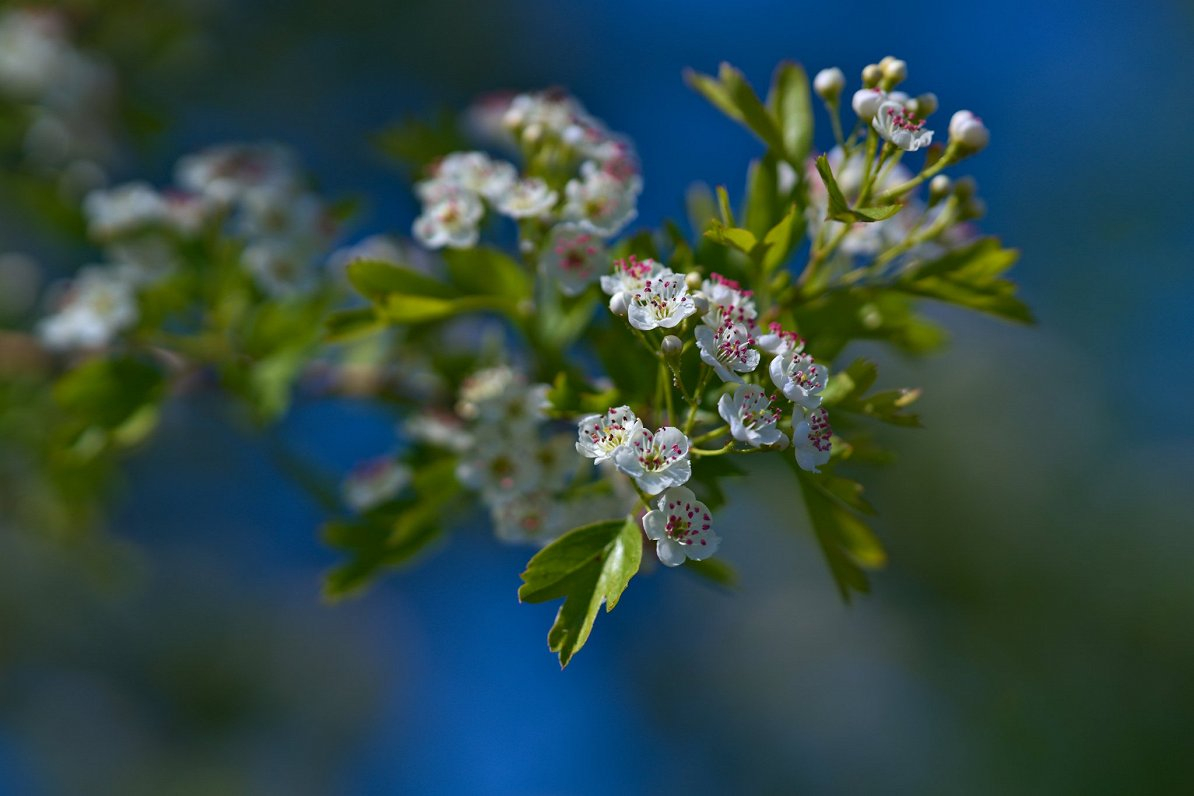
(1031,634)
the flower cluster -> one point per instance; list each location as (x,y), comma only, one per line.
(520,470)
(251,195)
(580,186)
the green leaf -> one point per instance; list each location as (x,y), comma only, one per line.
(421,309)
(105,393)
(417,143)
(741,239)
(762,196)
(791,105)
(485,271)
(724,208)
(587,566)
(971,277)
(782,239)
(351,324)
(851,382)
(377,280)
(730,93)
(846,391)
(848,543)
(839,208)
(569,393)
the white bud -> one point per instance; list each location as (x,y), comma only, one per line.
(829,84)
(871,75)
(926,105)
(693,280)
(969,131)
(895,71)
(866,102)
(617,304)
(939,188)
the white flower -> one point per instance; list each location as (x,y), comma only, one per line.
(477,172)
(661,302)
(829,84)
(655,461)
(280,269)
(268,211)
(222,174)
(124,209)
(727,350)
(536,517)
(777,341)
(529,198)
(728,302)
(600,437)
(99,304)
(866,102)
(557,462)
(681,527)
(800,379)
(630,275)
(895,124)
(600,202)
(438,429)
(969,131)
(499,469)
(500,395)
(810,438)
(373,482)
(573,257)
(143,259)
(450,222)
(750,416)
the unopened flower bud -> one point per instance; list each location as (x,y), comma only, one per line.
(871,75)
(671,346)
(926,105)
(969,131)
(974,208)
(829,84)
(939,188)
(617,304)
(866,102)
(965,188)
(894,71)
(693,280)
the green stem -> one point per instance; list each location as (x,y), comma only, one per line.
(947,159)
(719,452)
(717,432)
(697,395)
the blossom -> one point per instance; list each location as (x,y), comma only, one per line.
(661,302)
(810,439)
(750,416)
(778,341)
(681,527)
(728,302)
(527,198)
(500,395)
(895,124)
(600,202)
(573,258)
(498,469)
(280,269)
(441,429)
(800,379)
(124,209)
(450,222)
(655,461)
(536,517)
(373,482)
(98,305)
(630,275)
(557,461)
(865,103)
(727,350)
(969,131)
(600,437)
(829,84)
(222,174)
(477,173)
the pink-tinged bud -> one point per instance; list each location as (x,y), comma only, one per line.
(829,84)
(866,102)
(969,131)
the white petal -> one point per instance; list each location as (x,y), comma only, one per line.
(669,552)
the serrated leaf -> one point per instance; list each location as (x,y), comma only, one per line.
(587,566)
(853,381)
(484,271)
(351,324)
(782,239)
(762,201)
(848,543)
(377,280)
(741,239)
(790,103)
(839,208)
(108,392)
(422,309)
(732,94)
(970,277)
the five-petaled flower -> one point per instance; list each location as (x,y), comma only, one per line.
(655,461)
(681,527)
(574,258)
(799,378)
(895,124)
(727,350)
(750,416)
(811,438)
(451,221)
(600,437)
(661,302)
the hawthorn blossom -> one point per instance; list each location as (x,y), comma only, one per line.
(896,125)
(497,469)
(557,461)
(476,173)
(280,269)
(778,341)
(529,198)
(681,527)
(124,209)
(450,222)
(224,173)
(969,131)
(600,202)
(630,275)
(99,304)
(866,102)
(536,517)
(810,439)
(750,416)
(728,302)
(440,429)
(500,395)
(655,461)
(800,379)
(573,258)
(600,437)
(661,302)
(727,350)
(373,482)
